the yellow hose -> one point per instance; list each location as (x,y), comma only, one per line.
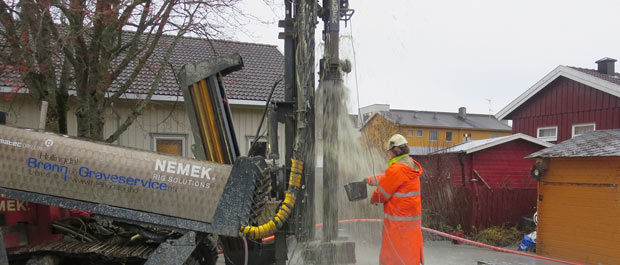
(285,209)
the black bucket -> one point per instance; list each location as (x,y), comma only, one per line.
(356,191)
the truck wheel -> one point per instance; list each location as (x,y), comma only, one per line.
(204,254)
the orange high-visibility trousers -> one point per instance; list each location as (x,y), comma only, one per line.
(399,191)
(402,243)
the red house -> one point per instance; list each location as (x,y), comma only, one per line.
(568,102)
(487,182)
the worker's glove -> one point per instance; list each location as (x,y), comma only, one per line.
(374,180)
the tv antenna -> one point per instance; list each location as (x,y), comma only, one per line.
(490,109)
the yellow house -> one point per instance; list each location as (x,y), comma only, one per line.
(428,131)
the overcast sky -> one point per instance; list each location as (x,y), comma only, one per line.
(443,54)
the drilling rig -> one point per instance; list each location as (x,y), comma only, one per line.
(94,203)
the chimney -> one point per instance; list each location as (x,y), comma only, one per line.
(462,113)
(606,66)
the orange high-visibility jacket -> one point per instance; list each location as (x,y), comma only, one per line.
(399,191)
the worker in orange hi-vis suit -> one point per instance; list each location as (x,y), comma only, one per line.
(399,191)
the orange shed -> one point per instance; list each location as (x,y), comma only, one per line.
(579,199)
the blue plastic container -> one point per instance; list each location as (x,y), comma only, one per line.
(526,243)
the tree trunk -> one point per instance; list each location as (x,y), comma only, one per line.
(90,122)
(43,90)
(57,113)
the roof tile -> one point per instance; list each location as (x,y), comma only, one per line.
(263,66)
(615,78)
(445,119)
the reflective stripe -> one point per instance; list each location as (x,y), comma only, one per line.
(384,192)
(406,194)
(403,218)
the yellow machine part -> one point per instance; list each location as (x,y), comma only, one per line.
(285,209)
(205,113)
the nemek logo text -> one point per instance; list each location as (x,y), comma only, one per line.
(173,167)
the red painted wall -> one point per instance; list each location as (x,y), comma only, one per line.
(564,103)
(504,166)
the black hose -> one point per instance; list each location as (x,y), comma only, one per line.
(264,115)
(72,231)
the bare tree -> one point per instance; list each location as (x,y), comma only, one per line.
(61,46)
(378,130)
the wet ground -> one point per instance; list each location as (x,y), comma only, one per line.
(446,253)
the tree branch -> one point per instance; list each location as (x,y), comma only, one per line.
(139,107)
(154,43)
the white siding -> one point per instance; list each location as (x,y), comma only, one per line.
(246,120)
(160,117)
(22,111)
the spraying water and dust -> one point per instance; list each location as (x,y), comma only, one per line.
(345,143)
(351,157)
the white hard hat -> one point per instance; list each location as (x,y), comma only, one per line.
(395,140)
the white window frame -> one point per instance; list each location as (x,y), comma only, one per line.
(419,133)
(250,139)
(170,136)
(410,133)
(436,135)
(582,124)
(548,138)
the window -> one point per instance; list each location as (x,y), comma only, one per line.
(410,132)
(579,129)
(432,136)
(448,136)
(260,149)
(494,134)
(548,133)
(170,144)
(420,133)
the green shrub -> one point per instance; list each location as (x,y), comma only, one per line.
(498,236)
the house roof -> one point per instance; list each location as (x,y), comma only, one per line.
(596,143)
(615,78)
(263,66)
(477,145)
(445,119)
(606,83)
(422,150)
